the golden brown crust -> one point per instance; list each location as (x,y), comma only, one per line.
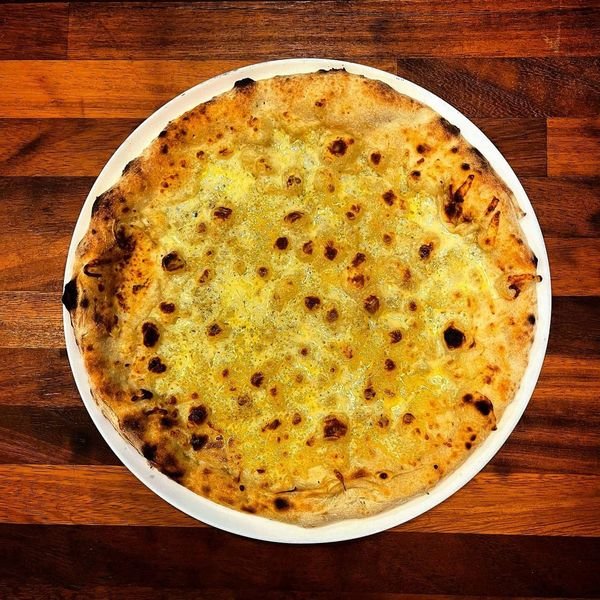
(308,299)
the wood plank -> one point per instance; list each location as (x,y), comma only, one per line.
(81,147)
(521,141)
(41,377)
(34,320)
(139,592)
(575,329)
(73,147)
(33,31)
(31,320)
(565,207)
(491,503)
(38,216)
(511,87)
(38,377)
(52,436)
(575,266)
(397,562)
(574,147)
(106,88)
(371,28)
(560,434)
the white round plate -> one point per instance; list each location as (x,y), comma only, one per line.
(259,527)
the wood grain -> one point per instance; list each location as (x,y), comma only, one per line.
(30,31)
(566,207)
(41,378)
(81,147)
(106,88)
(491,503)
(574,147)
(511,87)
(569,259)
(254,30)
(34,320)
(399,562)
(30,320)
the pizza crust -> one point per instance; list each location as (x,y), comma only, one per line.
(308,299)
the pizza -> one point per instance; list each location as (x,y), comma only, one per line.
(309,299)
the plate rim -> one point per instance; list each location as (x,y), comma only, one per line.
(258,527)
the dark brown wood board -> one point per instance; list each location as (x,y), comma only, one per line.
(75,79)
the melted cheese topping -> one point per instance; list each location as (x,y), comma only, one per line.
(317,284)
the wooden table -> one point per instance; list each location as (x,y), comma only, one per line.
(75,79)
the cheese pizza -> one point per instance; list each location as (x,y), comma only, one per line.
(308,299)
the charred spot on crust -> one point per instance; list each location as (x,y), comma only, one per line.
(167,307)
(389,364)
(214,329)
(167,422)
(198,441)
(333,428)
(482,159)
(172,262)
(272,426)
(307,247)
(534,260)
(415,174)
(88,269)
(332,315)
(369,393)
(465,166)
(481,403)
(383,475)
(423,148)
(132,165)
(142,395)
(338,147)
(262,271)
(294,216)
(257,379)
(132,423)
(453,337)
(281,243)
(155,365)
(150,334)
(408,418)
(330,251)
(425,250)
(454,208)
(222,212)
(281,504)
(171,468)
(449,127)
(492,205)
(198,414)
(389,197)
(312,302)
(69,297)
(124,242)
(531,319)
(149,451)
(371,304)
(296,419)
(375,158)
(164,149)
(358,259)
(246,82)
(395,336)
(163,133)
(484,406)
